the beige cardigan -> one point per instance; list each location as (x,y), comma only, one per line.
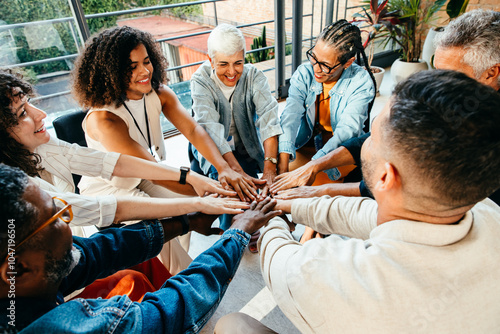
(400,277)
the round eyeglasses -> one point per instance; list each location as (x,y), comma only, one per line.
(324,68)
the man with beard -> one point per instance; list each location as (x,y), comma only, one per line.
(42,263)
(422,257)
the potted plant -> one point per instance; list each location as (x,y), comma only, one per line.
(454,8)
(408,33)
(375,19)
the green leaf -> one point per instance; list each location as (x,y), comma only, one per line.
(456,8)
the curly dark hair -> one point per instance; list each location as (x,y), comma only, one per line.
(103,70)
(13,153)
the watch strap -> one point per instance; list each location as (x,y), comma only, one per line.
(184,171)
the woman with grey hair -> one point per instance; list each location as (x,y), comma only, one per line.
(233,102)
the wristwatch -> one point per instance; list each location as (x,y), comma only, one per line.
(185,224)
(273,160)
(184,171)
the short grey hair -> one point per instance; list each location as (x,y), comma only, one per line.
(478,33)
(225,39)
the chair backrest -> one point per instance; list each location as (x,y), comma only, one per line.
(69,128)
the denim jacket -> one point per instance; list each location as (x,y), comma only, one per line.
(255,109)
(349,100)
(183,305)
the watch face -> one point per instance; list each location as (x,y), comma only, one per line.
(184,169)
(273,160)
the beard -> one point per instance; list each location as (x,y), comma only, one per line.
(367,169)
(56,270)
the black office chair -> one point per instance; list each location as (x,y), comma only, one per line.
(69,128)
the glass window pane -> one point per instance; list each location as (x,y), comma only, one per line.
(40,40)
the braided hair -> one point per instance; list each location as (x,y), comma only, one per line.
(346,39)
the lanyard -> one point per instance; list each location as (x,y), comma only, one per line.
(137,125)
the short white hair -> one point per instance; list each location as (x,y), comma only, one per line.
(225,39)
(478,33)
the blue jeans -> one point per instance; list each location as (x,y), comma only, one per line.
(249,165)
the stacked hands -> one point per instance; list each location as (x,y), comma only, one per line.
(237,193)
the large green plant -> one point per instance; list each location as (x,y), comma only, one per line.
(409,30)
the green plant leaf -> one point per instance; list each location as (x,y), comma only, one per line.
(456,8)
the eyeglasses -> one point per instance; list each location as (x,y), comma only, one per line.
(324,68)
(65,213)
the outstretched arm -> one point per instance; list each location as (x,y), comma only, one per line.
(305,175)
(331,189)
(196,135)
(112,132)
(194,294)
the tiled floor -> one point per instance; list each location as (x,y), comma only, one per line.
(247,292)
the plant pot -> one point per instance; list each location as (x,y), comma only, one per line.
(378,74)
(429,48)
(401,70)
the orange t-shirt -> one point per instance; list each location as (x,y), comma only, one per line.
(324,107)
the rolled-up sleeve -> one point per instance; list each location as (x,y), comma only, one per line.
(87,210)
(76,159)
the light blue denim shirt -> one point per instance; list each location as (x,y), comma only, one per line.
(255,111)
(349,100)
(183,305)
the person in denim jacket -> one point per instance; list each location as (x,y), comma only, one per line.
(348,101)
(42,263)
(233,103)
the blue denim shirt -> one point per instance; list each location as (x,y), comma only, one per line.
(183,305)
(349,100)
(255,111)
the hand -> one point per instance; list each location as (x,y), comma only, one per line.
(203,185)
(269,177)
(256,217)
(241,182)
(284,206)
(302,176)
(216,206)
(202,223)
(303,192)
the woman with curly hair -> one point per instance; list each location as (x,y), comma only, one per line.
(13,153)
(119,76)
(26,144)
